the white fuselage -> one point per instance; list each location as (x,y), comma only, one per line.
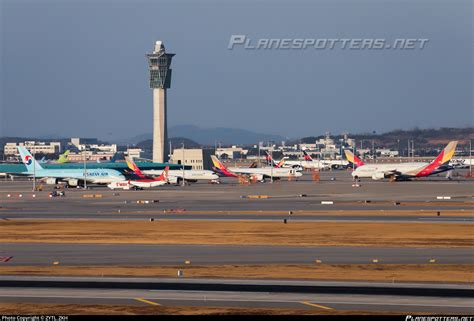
(335,162)
(131,183)
(314,164)
(189,174)
(266,171)
(95,176)
(461,162)
(378,171)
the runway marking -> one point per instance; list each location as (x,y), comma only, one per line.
(240,300)
(316,305)
(146,301)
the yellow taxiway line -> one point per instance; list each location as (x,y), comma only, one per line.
(146,301)
(317,305)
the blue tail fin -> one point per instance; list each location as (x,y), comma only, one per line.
(29,161)
(114,158)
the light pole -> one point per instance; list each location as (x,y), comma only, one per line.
(354,153)
(399,153)
(319,160)
(170,151)
(470,158)
(34,171)
(374,158)
(408,150)
(271,164)
(182,146)
(85,170)
(259,162)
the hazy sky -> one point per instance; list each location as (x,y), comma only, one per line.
(78,68)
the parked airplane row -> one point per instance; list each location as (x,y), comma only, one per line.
(308,163)
(135,178)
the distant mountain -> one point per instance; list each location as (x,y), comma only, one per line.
(209,136)
(135,139)
(398,138)
(225,136)
(176,142)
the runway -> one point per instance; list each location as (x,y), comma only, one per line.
(229,201)
(323,296)
(235,217)
(136,254)
(406,201)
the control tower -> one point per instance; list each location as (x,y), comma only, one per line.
(160,79)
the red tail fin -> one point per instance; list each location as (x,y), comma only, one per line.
(164,175)
(307,157)
(131,164)
(445,156)
(353,158)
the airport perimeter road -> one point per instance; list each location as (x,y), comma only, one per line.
(372,196)
(317,296)
(128,254)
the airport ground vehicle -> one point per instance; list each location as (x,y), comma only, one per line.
(57,194)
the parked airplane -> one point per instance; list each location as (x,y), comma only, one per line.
(190,175)
(73,177)
(140,180)
(257,173)
(402,171)
(307,163)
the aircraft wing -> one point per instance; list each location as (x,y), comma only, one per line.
(387,174)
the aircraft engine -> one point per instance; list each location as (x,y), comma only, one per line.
(378,175)
(73,182)
(257,177)
(51,181)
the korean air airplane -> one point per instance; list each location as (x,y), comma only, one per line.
(73,177)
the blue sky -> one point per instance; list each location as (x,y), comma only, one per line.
(78,68)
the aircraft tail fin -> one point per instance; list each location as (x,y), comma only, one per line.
(220,168)
(63,157)
(29,161)
(280,163)
(444,157)
(131,164)
(114,158)
(353,158)
(307,157)
(217,163)
(164,175)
